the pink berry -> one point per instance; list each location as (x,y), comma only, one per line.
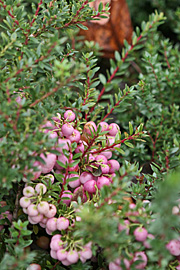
(69,115)
(52,211)
(105,169)
(24,202)
(61,254)
(113,129)
(75,183)
(31,221)
(140,256)
(50,160)
(104,126)
(40,188)
(174,247)
(67,129)
(62,223)
(113,165)
(80,148)
(28,191)
(102,181)
(89,186)
(114,266)
(146,242)
(107,154)
(110,140)
(75,136)
(101,159)
(63,144)
(85,176)
(67,194)
(124,226)
(90,126)
(43,207)
(140,234)
(63,159)
(72,256)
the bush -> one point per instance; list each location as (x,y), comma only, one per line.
(73,195)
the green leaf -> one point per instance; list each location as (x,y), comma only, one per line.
(130,128)
(82,26)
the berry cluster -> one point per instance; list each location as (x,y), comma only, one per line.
(84,166)
(60,251)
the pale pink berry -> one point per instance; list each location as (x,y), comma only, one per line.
(113,129)
(42,225)
(43,207)
(31,221)
(67,129)
(113,165)
(52,224)
(140,234)
(89,186)
(56,244)
(69,115)
(37,170)
(52,211)
(61,254)
(86,253)
(85,176)
(174,247)
(32,210)
(72,256)
(41,188)
(48,177)
(56,236)
(37,218)
(28,191)
(34,266)
(62,223)
(66,262)
(53,254)
(48,231)
(24,202)
(104,126)
(102,181)
(140,256)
